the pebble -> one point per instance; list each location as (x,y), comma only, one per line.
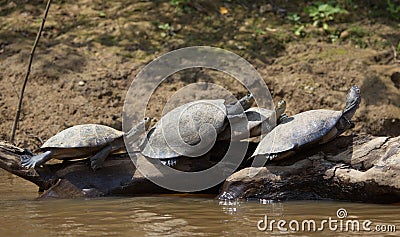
(81,83)
(344,34)
(265,8)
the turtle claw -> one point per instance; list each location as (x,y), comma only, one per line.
(271,156)
(97,161)
(168,162)
(28,161)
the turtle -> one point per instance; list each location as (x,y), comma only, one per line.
(305,129)
(85,140)
(191,129)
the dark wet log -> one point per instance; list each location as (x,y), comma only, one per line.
(360,168)
(118,176)
(367,171)
(73,179)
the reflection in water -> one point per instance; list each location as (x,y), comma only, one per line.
(21,215)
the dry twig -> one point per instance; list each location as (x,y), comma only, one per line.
(28,72)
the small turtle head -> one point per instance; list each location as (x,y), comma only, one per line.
(247,101)
(280,108)
(138,130)
(353,100)
(147,121)
(280,111)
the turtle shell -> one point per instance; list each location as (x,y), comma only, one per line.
(297,131)
(85,135)
(186,130)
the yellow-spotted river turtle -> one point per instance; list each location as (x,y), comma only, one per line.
(86,140)
(306,128)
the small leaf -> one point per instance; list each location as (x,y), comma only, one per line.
(260,32)
(223,10)
(299,31)
(325,26)
(165,26)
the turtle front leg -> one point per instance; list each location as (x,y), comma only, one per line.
(33,161)
(97,161)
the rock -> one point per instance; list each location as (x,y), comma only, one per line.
(63,189)
(265,8)
(344,34)
(366,172)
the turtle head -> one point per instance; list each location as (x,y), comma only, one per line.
(280,108)
(280,111)
(138,130)
(353,100)
(146,122)
(241,105)
(247,101)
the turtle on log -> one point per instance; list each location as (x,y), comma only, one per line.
(307,128)
(86,140)
(191,129)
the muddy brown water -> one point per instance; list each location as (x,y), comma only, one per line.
(22,215)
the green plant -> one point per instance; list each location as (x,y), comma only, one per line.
(179,3)
(166,29)
(102,14)
(298,28)
(258,31)
(294,17)
(393,9)
(322,13)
